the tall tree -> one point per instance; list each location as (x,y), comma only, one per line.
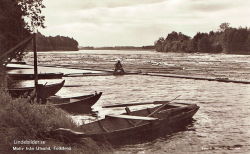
(32,9)
(204,44)
(224,26)
(159,44)
(18,19)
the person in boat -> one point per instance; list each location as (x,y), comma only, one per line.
(118,67)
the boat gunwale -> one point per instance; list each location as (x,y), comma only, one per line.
(77,100)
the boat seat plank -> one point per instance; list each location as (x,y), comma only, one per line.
(132,117)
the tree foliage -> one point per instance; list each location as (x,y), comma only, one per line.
(32,10)
(224,26)
(58,43)
(173,42)
(18,19)
(226,40)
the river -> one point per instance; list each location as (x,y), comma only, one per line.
(222,124)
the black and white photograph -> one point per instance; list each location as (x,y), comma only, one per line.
(124,76)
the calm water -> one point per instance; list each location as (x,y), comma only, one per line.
(222,125)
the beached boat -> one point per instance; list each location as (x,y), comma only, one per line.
(81,104)
(14,76)
(137,125)
(44,91)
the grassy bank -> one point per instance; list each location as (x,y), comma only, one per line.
(22,121)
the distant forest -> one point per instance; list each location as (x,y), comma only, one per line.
(226,40)
(57,43)
(119,48)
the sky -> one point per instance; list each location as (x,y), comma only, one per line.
(138,22)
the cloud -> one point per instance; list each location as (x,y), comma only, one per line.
(138,22)
(213,5)
(88,4)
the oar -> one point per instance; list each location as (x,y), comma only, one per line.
(132,104)
(72,86)
(157,110)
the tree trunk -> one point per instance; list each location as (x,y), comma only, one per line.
(3,80)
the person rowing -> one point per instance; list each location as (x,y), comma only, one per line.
(118,67)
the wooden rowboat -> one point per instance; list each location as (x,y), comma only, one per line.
(80,106)
(117,128)
(44,91)
(136,125)
(118,72)
(60,99)
(127,73)
(32,76)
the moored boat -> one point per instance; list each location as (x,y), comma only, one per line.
(80,105)
(44,91)
(65,99)
(18,62)
(32,76)
(129,127)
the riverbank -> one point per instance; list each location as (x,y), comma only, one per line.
(24,127)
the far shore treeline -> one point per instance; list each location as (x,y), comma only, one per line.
(57,43)
(226,40)
(118,48)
